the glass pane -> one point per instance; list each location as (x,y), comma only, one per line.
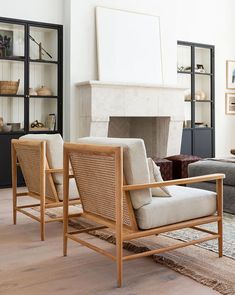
(11,114)
(43,44)
(11,77)
(202,114)
(184,58)
(184,80)
(43,75)
(42,114)
(202,60)
(11,40)
(202,87)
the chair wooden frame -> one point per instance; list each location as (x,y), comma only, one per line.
(45,202)
(126,233)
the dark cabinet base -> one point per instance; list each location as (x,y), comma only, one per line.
(5,161)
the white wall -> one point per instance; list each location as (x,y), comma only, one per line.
(200,21)
(44,10)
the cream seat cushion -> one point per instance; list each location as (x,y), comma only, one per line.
(54,152)
(184,204)
(135,164)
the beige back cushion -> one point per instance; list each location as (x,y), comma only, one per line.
(135,164)
(54,152)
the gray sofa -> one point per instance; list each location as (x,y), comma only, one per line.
(215,166)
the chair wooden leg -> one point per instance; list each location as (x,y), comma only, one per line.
(14,181)
(220,239)
(219,190)
(65,202)
(119,263)
(42,218)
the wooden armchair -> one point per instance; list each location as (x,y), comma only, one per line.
(38,157)
(125,208)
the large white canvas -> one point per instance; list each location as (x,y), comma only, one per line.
(129,46)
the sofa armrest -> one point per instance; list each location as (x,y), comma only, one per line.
(195,179)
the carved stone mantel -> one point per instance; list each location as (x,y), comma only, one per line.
(99,102)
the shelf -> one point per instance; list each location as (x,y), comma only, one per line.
(184,72)
(12,58)
(43,96)
(203,74)
(203,100)
(11,95)
(43,61)
(43,131)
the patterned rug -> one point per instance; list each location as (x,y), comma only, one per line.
(228,232)
(199,262)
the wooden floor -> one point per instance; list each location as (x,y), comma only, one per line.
(29,266)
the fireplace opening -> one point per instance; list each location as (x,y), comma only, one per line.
(153,130)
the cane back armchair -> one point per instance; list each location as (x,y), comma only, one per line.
(40,158)
(114,196)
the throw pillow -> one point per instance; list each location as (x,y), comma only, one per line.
(155,176)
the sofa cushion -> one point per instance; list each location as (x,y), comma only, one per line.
(135,164)
(54,151)
(185,203)
(155,176)
(213,166)
(73,191)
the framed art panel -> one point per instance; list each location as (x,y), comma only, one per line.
(230,74)
(129,46)
(230,103)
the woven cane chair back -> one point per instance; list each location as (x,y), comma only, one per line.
(29,156)
(95,174)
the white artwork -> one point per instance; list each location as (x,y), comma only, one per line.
(129,46)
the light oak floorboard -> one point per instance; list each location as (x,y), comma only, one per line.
(29,266)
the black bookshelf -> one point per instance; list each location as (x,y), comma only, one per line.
(27,60)
(197,140)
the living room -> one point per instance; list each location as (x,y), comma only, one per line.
(105,98)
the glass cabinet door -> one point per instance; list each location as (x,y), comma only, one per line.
(184,77)
(12,77)
(43,79)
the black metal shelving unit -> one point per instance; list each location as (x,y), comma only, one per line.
(196,140)
(26,60)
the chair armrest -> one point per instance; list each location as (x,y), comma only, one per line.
(195,179)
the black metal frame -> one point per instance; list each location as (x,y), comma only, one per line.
(5,138)
(193,131)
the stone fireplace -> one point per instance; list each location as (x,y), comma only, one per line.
(152,112)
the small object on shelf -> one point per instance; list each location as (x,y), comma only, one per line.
(40,48)
(32,91)
(187,124)
(187,69)
(200,69)
(232,151)
(44,91)
(6,128)
(200,95)
(1,123)
(6,43)
(37,124)
(51,121)
(14,126)
(9,87)
(200,125)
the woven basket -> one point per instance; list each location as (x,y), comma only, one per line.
(9,87)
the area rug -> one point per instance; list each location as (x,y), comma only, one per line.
(199,263)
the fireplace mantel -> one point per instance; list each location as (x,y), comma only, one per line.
(100,101)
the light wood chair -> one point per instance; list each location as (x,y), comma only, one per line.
(30,156)
(107,200)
